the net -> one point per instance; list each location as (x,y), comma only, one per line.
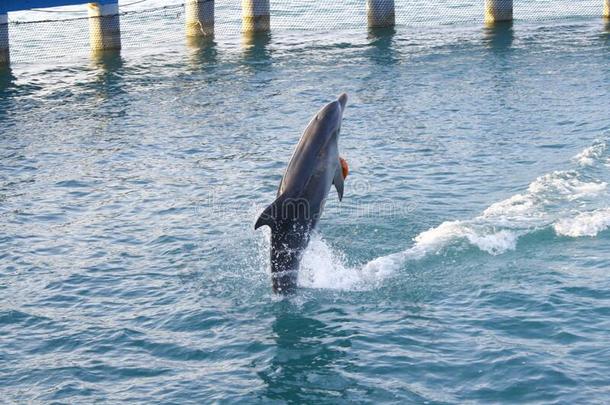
(63,34)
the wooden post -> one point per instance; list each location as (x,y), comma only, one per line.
(380,13)
(199,16)
(255,16)
(104,26)
(5,59)
(498,10)
(607,9)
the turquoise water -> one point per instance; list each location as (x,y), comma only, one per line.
(467,263)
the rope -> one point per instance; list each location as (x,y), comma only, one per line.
(170,7)
(135,2)
(44,10)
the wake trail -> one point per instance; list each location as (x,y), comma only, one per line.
(573,203)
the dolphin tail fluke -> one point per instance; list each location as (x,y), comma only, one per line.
(270,214)
(338,181)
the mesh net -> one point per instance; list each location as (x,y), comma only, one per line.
(64,34)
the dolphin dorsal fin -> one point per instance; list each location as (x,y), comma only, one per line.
(270,214)
(338,181)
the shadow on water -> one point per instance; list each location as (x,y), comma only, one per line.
(308,355)
(107,60)
(255,47)
(498,40)
(382,45)
(6,80)
(108,83)
(203,52)
(606,32)
(498,37)
(7,89)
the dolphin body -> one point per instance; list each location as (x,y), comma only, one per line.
(314,167)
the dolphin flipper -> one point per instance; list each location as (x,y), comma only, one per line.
(338,181)
(269,215)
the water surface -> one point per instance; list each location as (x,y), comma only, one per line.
(468,261)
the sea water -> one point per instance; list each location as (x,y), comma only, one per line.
(468,261)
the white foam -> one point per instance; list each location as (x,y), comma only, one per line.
(584,224)
(498,229)
(515,205)
(565,185)
(494,243)
(486,238)
(436,238)
(322,267)
(592,154)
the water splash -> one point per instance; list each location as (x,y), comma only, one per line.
(554,200)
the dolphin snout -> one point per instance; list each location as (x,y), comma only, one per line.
(343,101)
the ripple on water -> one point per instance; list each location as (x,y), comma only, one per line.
(467,262)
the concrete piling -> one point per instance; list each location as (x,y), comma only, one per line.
(255,16)
(199,16)
(4,43)
(104,26)
(380,13)
(498,10)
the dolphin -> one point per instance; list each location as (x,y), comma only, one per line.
(314,167)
